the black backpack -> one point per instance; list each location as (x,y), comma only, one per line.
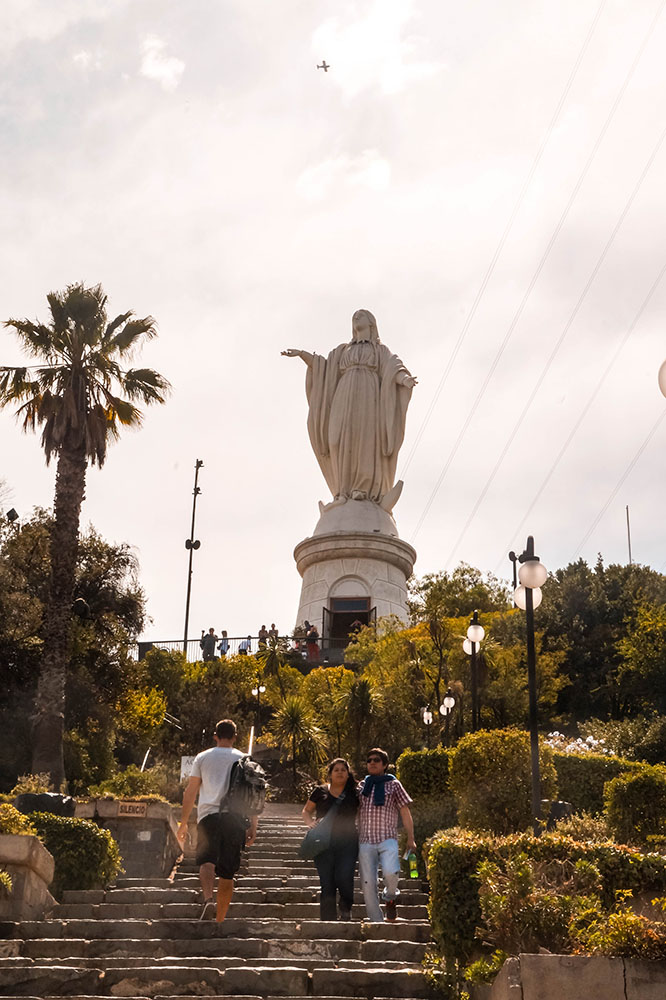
(247,788)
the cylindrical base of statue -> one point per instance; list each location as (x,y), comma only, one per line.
(352,577)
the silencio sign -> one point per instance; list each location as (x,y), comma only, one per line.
(137,810)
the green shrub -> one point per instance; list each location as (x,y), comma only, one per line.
(132,783)
(13,821)
(583,826)
(5,883)
(581,778)
(32,783)
(620,933)
(636,804)
(430,814)
(424,772)
(490,775)
(454,858)
(86,857)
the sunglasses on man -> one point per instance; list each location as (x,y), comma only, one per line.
(374,760)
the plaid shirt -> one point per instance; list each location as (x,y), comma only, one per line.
(378,823)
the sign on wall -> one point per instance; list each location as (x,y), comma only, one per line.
(137,810)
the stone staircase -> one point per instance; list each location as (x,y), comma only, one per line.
(144,939)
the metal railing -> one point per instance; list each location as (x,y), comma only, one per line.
(330,651)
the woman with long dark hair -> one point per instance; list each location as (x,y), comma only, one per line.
(336,865)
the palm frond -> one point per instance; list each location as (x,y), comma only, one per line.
(37,339)
(146,384)
(126,339)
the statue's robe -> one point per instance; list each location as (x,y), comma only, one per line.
(356,421)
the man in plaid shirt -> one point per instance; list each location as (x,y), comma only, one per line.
(382,800)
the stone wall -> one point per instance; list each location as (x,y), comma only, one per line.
(578,977)
(31,868)
(147,843)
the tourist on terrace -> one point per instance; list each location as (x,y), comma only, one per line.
(208,643)
(263,637)
(337,863)
(224,643)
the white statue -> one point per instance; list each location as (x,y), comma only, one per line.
(358,398)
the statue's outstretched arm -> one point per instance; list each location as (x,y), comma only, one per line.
(293,352)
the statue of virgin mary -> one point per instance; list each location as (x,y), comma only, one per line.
(358,398)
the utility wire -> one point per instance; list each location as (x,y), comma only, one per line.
(586,408)
(500,246)
(621,481)
(540,267)
(539,382)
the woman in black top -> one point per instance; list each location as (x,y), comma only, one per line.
(336,865)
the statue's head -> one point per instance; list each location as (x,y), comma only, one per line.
(364,326)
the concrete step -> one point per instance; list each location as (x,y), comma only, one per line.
(256,980)
(266,929)
(191,911)
(242,894)
(334,949)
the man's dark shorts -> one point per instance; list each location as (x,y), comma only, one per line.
(220,840)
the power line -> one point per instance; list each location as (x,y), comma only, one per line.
(503,239)
(621,481)
(537,273)
(539,382)
(586,408)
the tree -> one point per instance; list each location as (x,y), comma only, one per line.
(81,395)
(444,595)
(294,725)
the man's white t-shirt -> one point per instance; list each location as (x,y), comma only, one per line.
(214,768)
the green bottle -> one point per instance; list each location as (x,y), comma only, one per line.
(413,865)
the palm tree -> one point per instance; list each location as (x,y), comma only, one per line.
(294,725)
(82,396)
(272,658)
(360,704)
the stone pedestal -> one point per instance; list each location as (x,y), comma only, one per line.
(354,552)
(31,868)
(147,839)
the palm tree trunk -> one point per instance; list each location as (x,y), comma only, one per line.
(293,756)
(49,717)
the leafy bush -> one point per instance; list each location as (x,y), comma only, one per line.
(581,778)
(639,738)
(13,821)
(132,783)
(35,783)
(455,855)
(424,772)
(5,883)
(636,804)
(490,776)
(583,826)
(621,932)
(86,857)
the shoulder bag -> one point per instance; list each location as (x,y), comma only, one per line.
(318,838)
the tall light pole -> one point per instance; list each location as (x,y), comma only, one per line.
(532,575)
(191,544)
(426,715)
(445,709)
(475,634)
(257,692)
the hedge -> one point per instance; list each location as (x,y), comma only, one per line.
(636,805)
(13,821)
(490,774)
(424,772)
(85,855)
(454,857)
(581,778)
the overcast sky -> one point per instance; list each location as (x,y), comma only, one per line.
(189,155)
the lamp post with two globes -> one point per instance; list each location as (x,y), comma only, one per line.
(527,596)
(475,634)
(257,693)
(445,709)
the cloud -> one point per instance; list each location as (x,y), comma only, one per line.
(85,60)
(156,65)
(372,50)
(368,170)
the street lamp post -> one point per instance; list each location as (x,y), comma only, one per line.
(527,596)
(191,544)
(445,709)
(426,715)
(257,692)
(475,634)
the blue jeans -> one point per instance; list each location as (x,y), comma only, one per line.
(370,857)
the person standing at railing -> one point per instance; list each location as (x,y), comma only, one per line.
(312,642)
(273,632)
(224,644)
(263,637)
(245,645)
(208,643)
